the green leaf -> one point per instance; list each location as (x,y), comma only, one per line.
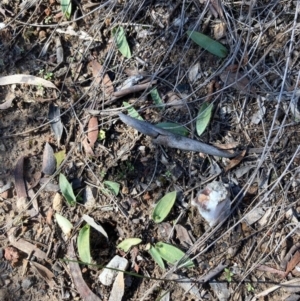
(121,41)
(155,255)
(66,8)
(114,187)
(127,243)
(172,254)
(156,98)
(67,190)
(132,112)
(64,224)
(174,128)
(60,157)
(163,207)
(203,117)
(208,43)
(83,244)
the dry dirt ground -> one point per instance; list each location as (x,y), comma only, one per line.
(255,253)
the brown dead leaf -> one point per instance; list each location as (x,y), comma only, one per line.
(24,245)
(220,30)
(49,161)
(49,216)
(19,179)
(11,254)
(235,161)
(183,236)
(87,148)
(44,273)
(268,269)
(238,81)
(82,288)
(227,146)
(210,91)
(97,71)
(232,68)
(93,131)
(292,263)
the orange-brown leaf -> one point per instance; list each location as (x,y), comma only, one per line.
(93,131)
(238,81)
(293,262)
(101,77)
(235,161)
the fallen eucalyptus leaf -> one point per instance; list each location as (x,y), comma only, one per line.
(93,131)
(55,122)
(127,243)
(49,161)
(163,207)
(83,244)
(25,79)
(208,44)
(19,179)
(75,271)
(67,190)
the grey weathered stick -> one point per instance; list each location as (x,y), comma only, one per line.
(169,139)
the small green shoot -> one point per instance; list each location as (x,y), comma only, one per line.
(121,41)
(114,187)
(208,44)
(156,98)
(48,75)
(67,190)
(66,8)
(155,255)
(249,287)
(101,135)
(127,243)
(83,244)
(64,224)
(163,207)
(228,275)
(172,254)
(132,112)
(174,128)
(203,117)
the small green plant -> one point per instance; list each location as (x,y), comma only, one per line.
(168,174)
(249,287)
(48,75)
(228,275)
(48,20)
(125,169)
